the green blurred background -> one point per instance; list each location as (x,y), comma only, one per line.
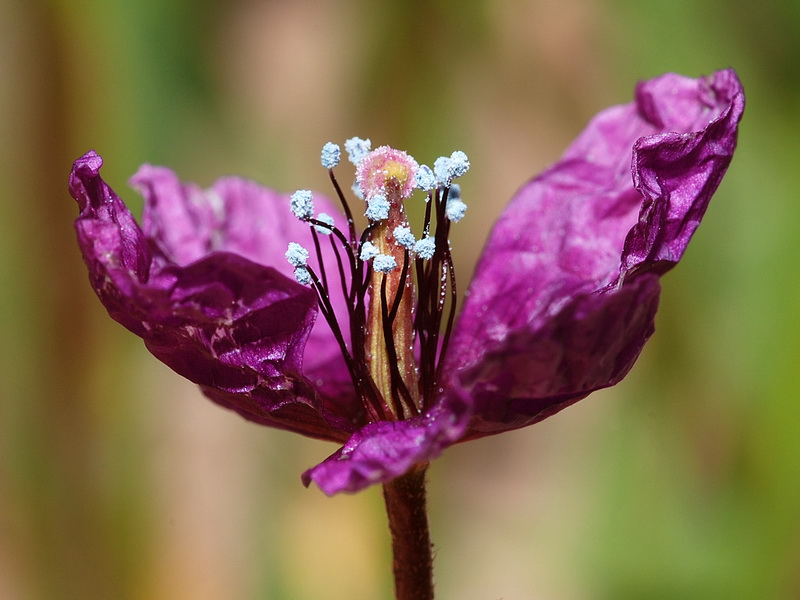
(118,480)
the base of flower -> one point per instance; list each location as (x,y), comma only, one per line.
(411,542)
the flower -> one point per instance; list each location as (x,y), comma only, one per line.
(561,304)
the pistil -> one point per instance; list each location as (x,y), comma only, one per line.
(386,176)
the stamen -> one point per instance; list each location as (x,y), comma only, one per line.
(336,233)
(296,255)
(351,225)
(378,208)
(450,317)
(400,292)
(322,270)
(449,168)
(391,355)
(426,228)
(404,237)
(302,205)
(383,263)
(441,167)
(327,220)
(357,149)
(368,251)
(425,248)
(302,275)
(331,153)
(377,410)
(455,210)
(459,164)
(346,290)
(424,178)
(407,407)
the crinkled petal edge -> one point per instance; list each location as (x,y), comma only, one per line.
(380,452)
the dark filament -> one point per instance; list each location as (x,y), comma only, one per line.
(435,283)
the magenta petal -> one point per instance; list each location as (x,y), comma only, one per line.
(233,326)
(234,215)
(533,373)
(114,248)
(379,452)
(239,216)
(555,309)
(677,173)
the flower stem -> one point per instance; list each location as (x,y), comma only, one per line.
(411,541)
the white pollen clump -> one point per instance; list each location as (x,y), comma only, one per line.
(441,168)
(459,164)
(368,251)
(404,237)
(296,255)
(302,205)
(424,178)
(378,208)
(302,275)
(425,248)
(383,263)
(455,209)
(331,154)
(357,149)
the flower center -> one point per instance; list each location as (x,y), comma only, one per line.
(398,332)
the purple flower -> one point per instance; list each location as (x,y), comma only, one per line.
(561,304)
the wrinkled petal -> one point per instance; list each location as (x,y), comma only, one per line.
(590,343)
(222,321)
(239,216)
(562,262)
(379,452)
(677,173)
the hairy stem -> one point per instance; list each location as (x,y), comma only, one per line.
(411,542)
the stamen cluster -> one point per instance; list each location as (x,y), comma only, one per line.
(376,270)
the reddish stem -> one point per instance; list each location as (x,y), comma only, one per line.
(411,542)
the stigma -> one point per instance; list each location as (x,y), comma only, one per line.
(388,172)
(399,289)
